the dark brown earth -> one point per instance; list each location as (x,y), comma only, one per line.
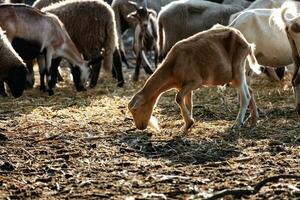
(85,146)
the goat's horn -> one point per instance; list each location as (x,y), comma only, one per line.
(134,4)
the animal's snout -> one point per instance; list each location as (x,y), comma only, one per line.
(144,26)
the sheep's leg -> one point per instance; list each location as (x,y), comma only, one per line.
(182,97)
(54,72)
(244,102)
(2,89)
(117,68)
(95,74)
(137,67)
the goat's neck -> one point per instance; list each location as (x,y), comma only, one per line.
(158,83)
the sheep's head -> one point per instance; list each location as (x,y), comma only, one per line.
(141,14)
(16,80)
(141,109)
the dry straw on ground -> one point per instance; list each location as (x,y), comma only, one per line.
(84,145)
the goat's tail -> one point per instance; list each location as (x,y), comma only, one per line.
(252,60)
(110,45)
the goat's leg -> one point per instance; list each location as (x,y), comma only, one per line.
(253,108)
(48,62)
(189,102)
(30,75)
(95,74)
(54,72)
(137,67)
(42,69)
(124,59)
(146,63)
(75,70)
(117,68)
(182,97)
(244,102)
(2,89)
(155,55)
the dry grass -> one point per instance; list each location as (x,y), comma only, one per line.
(84,145)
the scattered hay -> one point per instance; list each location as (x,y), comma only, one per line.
(84,145)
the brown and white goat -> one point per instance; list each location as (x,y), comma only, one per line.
(213,57)
(145,37)
(12,68)
(29,25)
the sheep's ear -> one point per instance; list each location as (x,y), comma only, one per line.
(132,15)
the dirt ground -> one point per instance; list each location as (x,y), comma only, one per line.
(84,145)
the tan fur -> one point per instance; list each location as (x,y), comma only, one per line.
(94,32)
(213,57)
(8,56)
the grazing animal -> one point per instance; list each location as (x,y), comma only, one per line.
(181,19)
(12,68)
(145,37)
(122,9)
(98,40)
(29,25)
(292,29)
(213,57)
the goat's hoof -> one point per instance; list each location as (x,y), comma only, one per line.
(120,84)
(185,129)
(50,92)
(92,85)
(43,88)
(4,94)
(135,79)
(298,108)
(237,125)
(80,89)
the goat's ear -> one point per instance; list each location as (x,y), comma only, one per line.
(136,105)
(132,15)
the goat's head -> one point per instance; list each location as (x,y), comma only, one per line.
(141,14)
(141,109)
(16,80)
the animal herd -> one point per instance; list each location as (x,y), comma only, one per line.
(195,43)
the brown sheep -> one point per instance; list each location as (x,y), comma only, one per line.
(213,57)
(94,41)
(12,68)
